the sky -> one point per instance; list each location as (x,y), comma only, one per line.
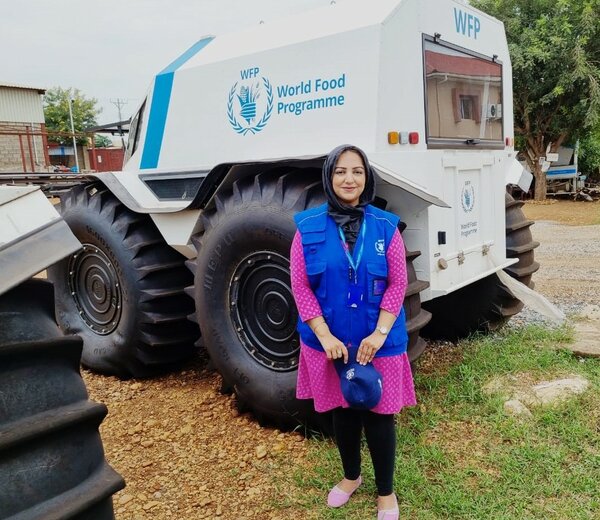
(111,49)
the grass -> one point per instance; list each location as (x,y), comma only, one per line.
(460,456)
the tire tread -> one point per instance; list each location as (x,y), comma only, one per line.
(160,279)
(291,192)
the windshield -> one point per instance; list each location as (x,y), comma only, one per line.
(134,132)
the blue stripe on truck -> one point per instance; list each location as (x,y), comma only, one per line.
(161,97)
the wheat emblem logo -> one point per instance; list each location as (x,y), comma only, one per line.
(246,105)
(468,198)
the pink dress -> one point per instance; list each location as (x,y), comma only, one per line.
(317,377)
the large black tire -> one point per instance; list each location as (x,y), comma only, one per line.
(52,463)
(416,316)
(487,304)
(242,289)
(124,292)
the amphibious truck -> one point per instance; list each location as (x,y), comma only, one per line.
(188,246)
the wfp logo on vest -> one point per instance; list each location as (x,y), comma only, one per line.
(250,102)
(468,197)
(380,247)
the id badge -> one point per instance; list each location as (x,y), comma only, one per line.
(355,296)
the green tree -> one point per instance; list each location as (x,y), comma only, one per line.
(555,52)
(101,141)
(56,113)
(589,154)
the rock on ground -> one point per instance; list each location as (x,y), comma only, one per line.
(587,339)
(522,392)
(550,393)
(516,408)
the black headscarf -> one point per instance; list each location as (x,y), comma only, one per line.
(348,217)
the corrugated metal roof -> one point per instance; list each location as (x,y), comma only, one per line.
(21,105)
(12,85)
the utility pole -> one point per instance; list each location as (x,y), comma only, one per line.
(119,103)
(71,101)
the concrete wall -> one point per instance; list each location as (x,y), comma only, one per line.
(18,150)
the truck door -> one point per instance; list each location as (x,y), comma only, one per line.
(464,109)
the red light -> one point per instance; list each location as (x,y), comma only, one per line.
(413,137)
(509,141)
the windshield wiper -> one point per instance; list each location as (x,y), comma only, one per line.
(472,141)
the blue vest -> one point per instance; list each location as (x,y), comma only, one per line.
(327,267)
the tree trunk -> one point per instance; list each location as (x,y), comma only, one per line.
(535,150)
(540,182)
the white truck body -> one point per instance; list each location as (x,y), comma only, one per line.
(348,73)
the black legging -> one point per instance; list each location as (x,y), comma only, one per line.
(381,440)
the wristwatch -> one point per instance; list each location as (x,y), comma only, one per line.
(383,330)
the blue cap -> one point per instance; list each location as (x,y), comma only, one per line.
(361,385)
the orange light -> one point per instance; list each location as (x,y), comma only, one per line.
(393,137)
(413,137)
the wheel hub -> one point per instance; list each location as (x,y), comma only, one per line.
(96,289)
(263,310)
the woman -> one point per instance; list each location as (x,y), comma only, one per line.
(348,274)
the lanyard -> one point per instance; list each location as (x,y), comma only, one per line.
(354,265)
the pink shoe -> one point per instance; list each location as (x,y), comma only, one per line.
(388,514)
(337,497)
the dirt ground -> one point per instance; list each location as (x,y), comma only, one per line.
(186,453)
(576,213)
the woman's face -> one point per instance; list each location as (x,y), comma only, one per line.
(349,177)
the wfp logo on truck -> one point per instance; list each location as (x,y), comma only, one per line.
(466,24)
(468,197)
(250,102)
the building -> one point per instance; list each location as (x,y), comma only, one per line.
(111,158)
(23,143)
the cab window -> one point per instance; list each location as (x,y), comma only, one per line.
(135,132)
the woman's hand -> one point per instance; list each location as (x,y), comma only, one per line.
(333,347)
(369,347)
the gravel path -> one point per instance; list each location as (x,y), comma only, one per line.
(569,274)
